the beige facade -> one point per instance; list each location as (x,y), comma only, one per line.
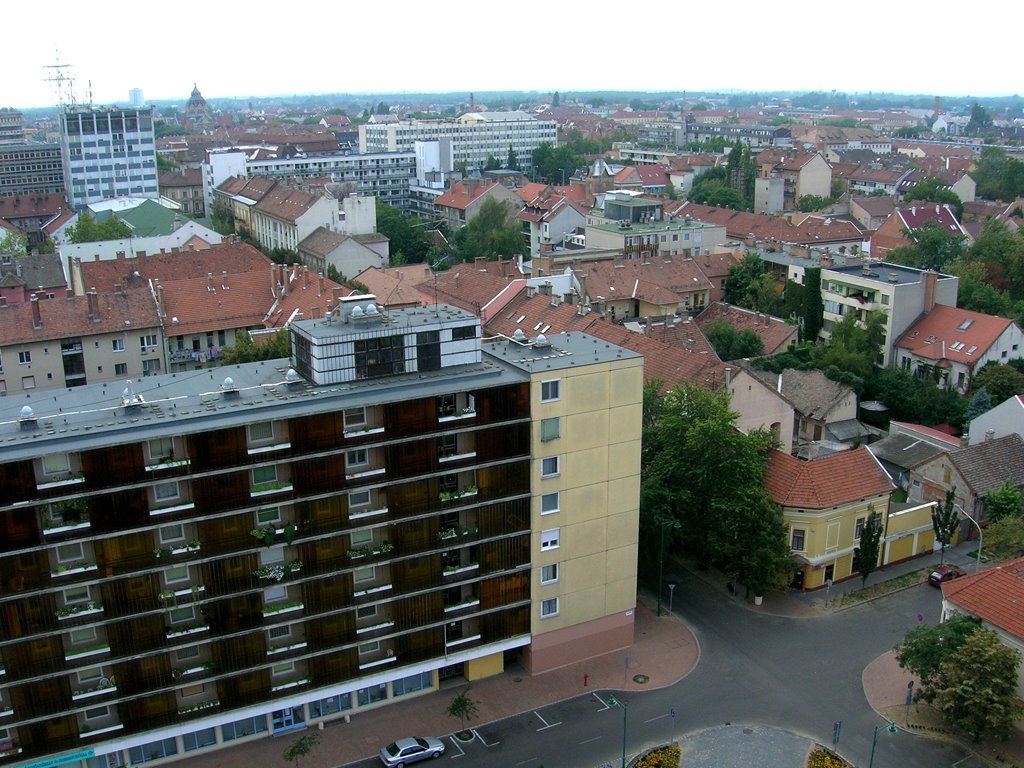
(586,487)
(909,533)
(760,407)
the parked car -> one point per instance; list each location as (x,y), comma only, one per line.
(945,573)
(404,751)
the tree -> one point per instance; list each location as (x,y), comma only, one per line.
(222,218)
(976,293)
(1004,501)
(490,234)
(810,203)
(1001,381)
(945,521)
(1004,539)
(909,398)
(976,689)
(87,230)
(301,747)
(713,187)
(813,306)
(462,707)
(731,344)
(926,647)
(245,350)
(512,162)
(865,557)
(741,275)
(932,189)
(409,244)
(932,247)
(556,100)
(980,119)
(14,244)
(492,163)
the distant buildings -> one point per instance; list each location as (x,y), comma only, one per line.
(107,152)
(28,169)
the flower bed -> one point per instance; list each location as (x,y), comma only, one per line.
(821,757)
(662,757)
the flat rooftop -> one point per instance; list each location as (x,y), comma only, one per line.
(894,274)
(557,352)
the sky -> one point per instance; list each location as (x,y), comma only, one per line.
(465,45)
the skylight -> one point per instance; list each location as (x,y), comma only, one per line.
(965,324)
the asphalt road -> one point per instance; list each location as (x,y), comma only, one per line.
(796,675)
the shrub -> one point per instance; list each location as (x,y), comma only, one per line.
(821,757)
(663,757)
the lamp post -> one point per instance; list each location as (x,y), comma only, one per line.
(613,702)
(977,563)
(663,524)
(891,727)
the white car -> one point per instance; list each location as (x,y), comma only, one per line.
(404,751)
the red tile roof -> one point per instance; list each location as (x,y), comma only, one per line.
(61,318)
(938,335)
(659,280)
(462,194)
(232,258)
(827,482)
(468,286)
(742,225)
(31,206)
(286,204)
(994,595)
(395,286)
(775,334)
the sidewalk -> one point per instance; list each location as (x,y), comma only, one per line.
(664,652)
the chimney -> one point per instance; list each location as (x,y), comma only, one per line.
(305,277)
(159,298)
(728,378)
(929,279)
(37,320)
(965,440)
(273,281)
(320,284)
(990,434)
(282,272)
(94,305)
(224,279)
(209,282)
(707,259)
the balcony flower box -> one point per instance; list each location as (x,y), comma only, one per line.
(286,686)
(61,482)
(199,707)
(71,570)
(181,632)
(275,610)
(374,627)
(377,663)
(90,692)
(180,672)
(85,734)
(366,473)
(363,432)
(172,509)
(457,457)
(367,513)
(167,463)
(465,413)
(286,648)
(267,489)
(455,532)
(372,590)
(452,570)
(462,605)
(461,641)
(76,525)
(277,572)
(74,611)
(469,490)
(268,448)
(81,653)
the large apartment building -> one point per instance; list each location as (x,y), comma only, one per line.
(475,136)
(194,560)
(30,169)
(107,152)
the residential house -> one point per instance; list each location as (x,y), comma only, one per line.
(30,214)
(76,340)
(973,472)
(285,217)
(826,503)
(867,179)
(908,445)
(649,287)
(646,178)
(910,218)
(637,227)
(802,173)
(548,218)
(31,169)
(185,187)
(998,421)
(822,233)
(820,406)
(715,265)
(958,182)
(461,203)
(872,212)
(241,195)
(776,335)
(994,597)
(949,345)
(38,274)
(325,248)
(902,294)
(395,287)
(510,473)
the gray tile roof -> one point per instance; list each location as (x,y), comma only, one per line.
(988,464)
(903,451)
(812,393)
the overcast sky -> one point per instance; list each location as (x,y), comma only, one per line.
(347,46)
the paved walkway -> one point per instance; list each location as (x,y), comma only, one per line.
(665,651)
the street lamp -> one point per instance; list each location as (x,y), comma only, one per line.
(663,524)
(977,564)
(891,728)
(613,702)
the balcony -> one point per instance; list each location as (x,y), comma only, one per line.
(268,449)
(200,707)
(78,610)
(105,686)
(88,732)
(82,653)
(455,570)
(288,685)
(71,570)
(289,647)
(192,546)
(172,509)
(268,489)
(277,609)
(193,629)
(168,462)
(61,481)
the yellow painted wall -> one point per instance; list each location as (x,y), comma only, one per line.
(484,666)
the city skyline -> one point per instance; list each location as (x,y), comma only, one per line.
(884,48)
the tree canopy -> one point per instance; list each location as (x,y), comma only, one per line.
(945,521)
(245,350)
(409,242)
(1004,501)
(731,344)
(87,230)
(713,187)
(490,234)
(1001,381)
(554,165)
(926,647)
(865,556)
(931,247)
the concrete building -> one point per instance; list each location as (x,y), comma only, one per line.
(202,559)
(903,294)
(11,131)
(107,152)
(636,225)
(475,136)
(27,169)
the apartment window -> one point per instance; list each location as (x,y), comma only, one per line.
(117,345)
(271,556)
(797,540)
(56,463)
(549,574)
(549,539)
(185,613)
(364,574)
(885,299)
(150,367)
(73,595)
(83,635)
(28,382)
(273,594)
(413,683)
(97,713)
(549,503)
(549,390)
(261,432)
(355,418)
(549,608)
(186,653)
(367,648)
(445,406)
(245,727)
(170,533)
(284,668)
(161,448)
(165,491)
(278,633)
(549,466)
(120,369)
(24,358)
(176,574)
(371,694)
(268,515)
(858,528)
(447,445)
(550,429)
(358,499)
(147,341)
(267,474)
(366,612)
(205,737)
(362,536)
(356,458)
(90,675)
(154,750)
(70,553)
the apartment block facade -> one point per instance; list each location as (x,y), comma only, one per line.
(207,558)
(107,153)
(27,169)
